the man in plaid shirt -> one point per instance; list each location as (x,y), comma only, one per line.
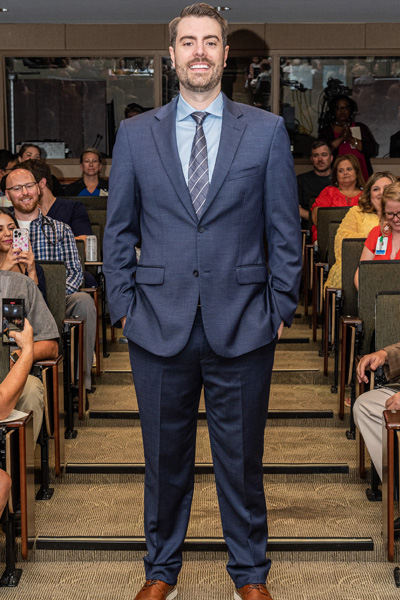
(53,240)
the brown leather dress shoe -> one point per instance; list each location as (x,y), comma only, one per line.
(252,591)
(154,589)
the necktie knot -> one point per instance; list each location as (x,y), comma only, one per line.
(199,117)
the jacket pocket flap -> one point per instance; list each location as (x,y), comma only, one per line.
(244,172)
(251,274)
(150,275)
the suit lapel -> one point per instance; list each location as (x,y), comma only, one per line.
(231,134)
(164,133)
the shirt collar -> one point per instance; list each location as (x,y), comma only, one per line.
(184,109)
(38,219)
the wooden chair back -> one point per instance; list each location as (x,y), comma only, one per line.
(80,244)
(92,202)
(55,274)
(374,276)
(387,319)
(351,252)
(324,216)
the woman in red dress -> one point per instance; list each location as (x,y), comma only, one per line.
(346,190)
(346,136)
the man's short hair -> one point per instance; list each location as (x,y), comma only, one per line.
(318,144)
(198,10)
(3,184)
(92,151)
(39,169)
(133,108)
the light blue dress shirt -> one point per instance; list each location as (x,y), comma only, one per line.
(186,128)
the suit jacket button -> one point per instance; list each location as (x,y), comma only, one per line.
(195,273)
(201,230)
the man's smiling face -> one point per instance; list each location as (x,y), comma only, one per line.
(25,200)
(199,56)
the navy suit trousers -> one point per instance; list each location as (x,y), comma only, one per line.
(236,395)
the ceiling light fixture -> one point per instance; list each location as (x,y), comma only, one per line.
(3,9)
(222,8)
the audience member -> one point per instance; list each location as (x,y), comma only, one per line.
(10,391)
(13,259)
(132,110)
(311,183)
(369,407)
(7,161)
(347,136)
(360,220)
(67,211)
(53,240)
(347,181)
(45,336)
(383,241)
(31,151)
(90,184)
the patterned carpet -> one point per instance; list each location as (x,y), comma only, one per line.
(298,505)
(203,578)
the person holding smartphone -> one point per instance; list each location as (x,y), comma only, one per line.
(13,258)
(11,389)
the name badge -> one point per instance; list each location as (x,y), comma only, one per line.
(381,246)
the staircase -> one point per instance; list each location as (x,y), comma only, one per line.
(325,537)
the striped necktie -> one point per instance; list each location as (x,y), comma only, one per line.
(198,179)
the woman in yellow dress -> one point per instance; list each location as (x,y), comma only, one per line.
(359,220)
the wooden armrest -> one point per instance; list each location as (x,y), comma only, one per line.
(21,422)
(48,362)
(392,419)
(90,290)
(73,321)
(349,320)
(321,264)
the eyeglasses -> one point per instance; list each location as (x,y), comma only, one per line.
(19,188)
(392,215)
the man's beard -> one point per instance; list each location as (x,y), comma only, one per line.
(214,74)
(27,209)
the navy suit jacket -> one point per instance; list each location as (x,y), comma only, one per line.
(219,259)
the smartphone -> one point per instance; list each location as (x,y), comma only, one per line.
(21,239)
(13,312)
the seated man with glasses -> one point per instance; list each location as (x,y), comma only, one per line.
(52,240)
(383,241)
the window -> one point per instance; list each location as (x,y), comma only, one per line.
(373,82)
(78,102)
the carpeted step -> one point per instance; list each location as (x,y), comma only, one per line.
(301,510)
(303,404)
(282,445)
(201,579)
(290,367)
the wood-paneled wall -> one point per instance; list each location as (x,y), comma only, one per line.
(281,36)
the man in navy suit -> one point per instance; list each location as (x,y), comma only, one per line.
(201,183)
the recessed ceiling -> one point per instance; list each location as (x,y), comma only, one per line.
(162,11)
